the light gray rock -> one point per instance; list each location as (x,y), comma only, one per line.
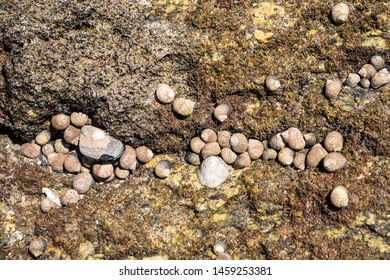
(96,144)
(213,172)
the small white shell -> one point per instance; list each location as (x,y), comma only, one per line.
(222,111)
(340,13)
(220,247)
(183,107)
(52,196)
(339,197)
(165,94)
(272,83)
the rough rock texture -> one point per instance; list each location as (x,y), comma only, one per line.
(106,60)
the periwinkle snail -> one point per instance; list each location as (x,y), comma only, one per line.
(37,247)
(163,169)
(165,94)
(183,107)
(60,121)
(222,111)
(340,13)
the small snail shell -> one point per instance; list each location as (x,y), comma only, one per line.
(352,80)
(339,197)
(239,143)
(165,93)
(228,155)
(269,154)
(197,144)
(72,135)
(220,247)
(381,78)
(30,150)
(365,83)
(224,256)
(208,135)
(47,204)
(276,142)
(340,13)
(163,169)
(272,83)
(315,155)
(333,142)
(286,156)
(69,196)
(378,62)
(310,139)
(332,88)
(222,111)
(121,173)
(192,158)
(56,162)
(255,149)
(79,119)
(334,161)
(47,149)
(60,121)
(294,138)
(37,247)
(72,163)
(367,71)
(87,162)
(210,149)
(144,154)
(243,160)
(300,159)
(183,107)
(128,160)
(43,137)
(103,170)
(82,182)
(224,139)
(60,146)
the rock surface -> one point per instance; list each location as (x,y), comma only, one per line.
(213,172)
(96,144)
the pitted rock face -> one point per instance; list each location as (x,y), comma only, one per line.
(107,67)
(96,144)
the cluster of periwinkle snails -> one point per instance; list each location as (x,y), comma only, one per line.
(373,74)
(84,150)
(288,147)
(180,105)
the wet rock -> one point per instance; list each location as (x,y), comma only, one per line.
(213,172)
(96,144)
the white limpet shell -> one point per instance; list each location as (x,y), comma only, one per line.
(52,196)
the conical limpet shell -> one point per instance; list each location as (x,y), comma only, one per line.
(239,143)
(315,155)
(79,119)
(334,142)
(144,154)
(208,135)
(339,197)
(37,247)
(128,160)
(43,137)
(223,138)
(222,111)
(69,196)
(340,13)
(30,150)
(294,138)
(60,121)
(183,107)
(210,149)
(165,94)
(334,161)
(197,144)
(228,155)
(255,149)
(82,182)
(121,173)
(163,169)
